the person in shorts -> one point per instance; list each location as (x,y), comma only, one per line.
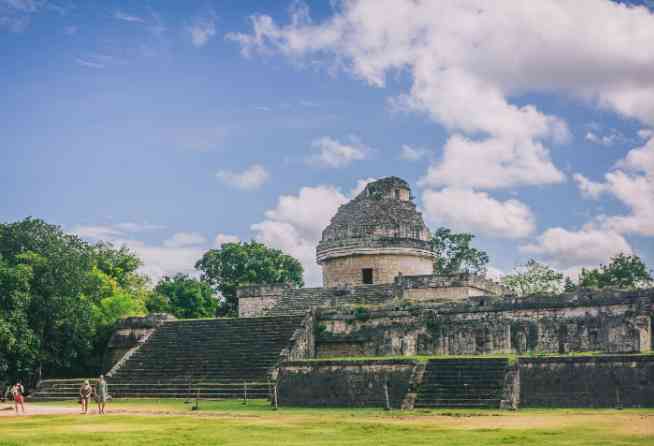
(85,395)
(17,393)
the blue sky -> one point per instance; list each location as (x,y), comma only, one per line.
(173,126)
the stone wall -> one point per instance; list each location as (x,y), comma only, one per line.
(257,300)
(562,381)
(348,270)
(603,381)
(613,322)
(432,287)
(344,383)
(129,334)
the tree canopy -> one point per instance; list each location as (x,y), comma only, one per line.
(238,264)
(623,271)
(184,297)
(59,299)
(454,253)
(533,278)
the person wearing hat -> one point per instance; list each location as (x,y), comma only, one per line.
(85,395)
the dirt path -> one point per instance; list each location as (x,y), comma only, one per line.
(30,409)
(641,424)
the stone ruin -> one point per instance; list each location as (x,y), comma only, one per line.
(430,340)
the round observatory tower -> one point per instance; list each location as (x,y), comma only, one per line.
(375,237)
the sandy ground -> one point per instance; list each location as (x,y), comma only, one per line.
(30,409)
(629,423)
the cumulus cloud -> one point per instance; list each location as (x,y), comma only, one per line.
(221,239)
(202,29)
(183,239)
(466,60)
(492,163)
(251,178)
(177,254)
(478,212)
(334,154)
(571,250)
(632,182)
(409,153)
(588,188)
(645,133)
(295,225)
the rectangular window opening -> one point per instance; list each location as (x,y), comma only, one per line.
(366,274)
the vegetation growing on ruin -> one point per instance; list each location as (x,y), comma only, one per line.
(455,255)
(238,264)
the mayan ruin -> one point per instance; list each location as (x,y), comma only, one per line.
(327,222)
(381,300)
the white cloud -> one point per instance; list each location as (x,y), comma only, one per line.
(89,63)
(251,178)
(468,59)
(119,15)
(159,261)
(571,250)
(477,212)
(332,153)
(202,29)
(645,133)
(492,163)
(588,188)
(185,239)
(221,239)
(631,182)
(175,255)
(295,225)
(99,232)
(113,231)
(409,153)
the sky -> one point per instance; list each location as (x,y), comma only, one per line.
(173,127)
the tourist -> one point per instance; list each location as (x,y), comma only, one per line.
(84,395)
(101,394)
(17,392)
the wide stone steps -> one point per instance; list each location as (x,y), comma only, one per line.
(53,392)
(462,383)
(206,358)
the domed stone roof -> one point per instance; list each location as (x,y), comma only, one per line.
(383,215)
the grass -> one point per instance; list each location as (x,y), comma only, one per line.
(171,422)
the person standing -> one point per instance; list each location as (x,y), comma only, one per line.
(85,395)
(101,394)
(17,393)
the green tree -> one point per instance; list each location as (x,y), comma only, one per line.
(533,278)
(623,271)
(185,297)
(19,346)
(454,253)
(238,264)
(57,318)
(569,286)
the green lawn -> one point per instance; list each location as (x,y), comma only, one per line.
(230,423)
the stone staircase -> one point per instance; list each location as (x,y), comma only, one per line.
(205,358)
(298,301)
(58,389)
(462,382)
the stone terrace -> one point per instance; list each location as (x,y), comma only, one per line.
(206,358)
(298,301)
